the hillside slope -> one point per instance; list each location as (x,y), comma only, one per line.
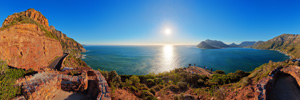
(287,43)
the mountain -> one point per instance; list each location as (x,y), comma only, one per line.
(27,41)
(215,43)
(287,43)
(204,45)
(233,45)
(247,44)
(257,43)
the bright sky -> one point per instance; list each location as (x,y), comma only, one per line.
(165,21)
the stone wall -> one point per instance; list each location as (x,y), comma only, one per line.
(266,84)
(42,86)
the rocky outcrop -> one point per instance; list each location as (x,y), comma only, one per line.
(25,46)
(30,13)
(67,43)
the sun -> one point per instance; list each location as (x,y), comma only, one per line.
(168,31)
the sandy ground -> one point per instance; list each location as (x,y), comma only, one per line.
(64,95)
(285,88)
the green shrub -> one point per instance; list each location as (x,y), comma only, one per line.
(182,86)
(8,77)
(147,95)
(173,88)
(219,72)
(135,79)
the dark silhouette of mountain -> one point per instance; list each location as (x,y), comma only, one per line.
(215,44)
(204,45)
(233,45)
(247,44)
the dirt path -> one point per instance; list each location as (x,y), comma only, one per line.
(285,88)
(64,95)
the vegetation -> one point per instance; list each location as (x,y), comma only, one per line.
(74,60)
(7,81)
(178,81)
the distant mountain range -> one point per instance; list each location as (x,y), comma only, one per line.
(215,44)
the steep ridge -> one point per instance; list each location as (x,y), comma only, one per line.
(287,43)
(67,43)
(30,13)
(26,42)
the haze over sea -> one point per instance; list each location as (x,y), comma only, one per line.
(141,60)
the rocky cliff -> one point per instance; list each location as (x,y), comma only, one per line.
(27,41)
(30,13)
(26,46)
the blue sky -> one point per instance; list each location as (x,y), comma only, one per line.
(144,21)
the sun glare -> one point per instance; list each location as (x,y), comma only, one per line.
(168,31)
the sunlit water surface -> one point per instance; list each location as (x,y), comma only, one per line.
(140,60)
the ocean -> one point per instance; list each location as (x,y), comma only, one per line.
(141,60)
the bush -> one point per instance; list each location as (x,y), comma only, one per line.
(8,77)
(174,88)
(114,77)
(147,95)
(182,86)
(135,79)
(220,72)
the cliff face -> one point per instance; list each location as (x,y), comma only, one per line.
(27,42)
(26,46)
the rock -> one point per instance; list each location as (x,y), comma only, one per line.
(25,46)
(31,13)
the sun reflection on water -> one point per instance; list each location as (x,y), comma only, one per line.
(167,58)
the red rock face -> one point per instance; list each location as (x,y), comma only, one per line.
(31,13)
(26,46)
